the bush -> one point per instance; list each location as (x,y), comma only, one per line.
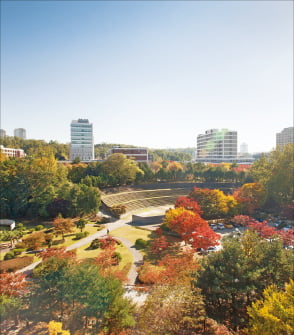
(18,251)
(15,264)
(117,257)
(81,235)
(39,227)
(95,244)
(20,226)
(31,230)
(141,244)
(20,245)
(9,255)
(104,219)
(117,210)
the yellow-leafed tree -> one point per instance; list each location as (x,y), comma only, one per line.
(55,328)
(274,314)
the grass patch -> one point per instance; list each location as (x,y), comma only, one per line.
(83,253)
(131,233)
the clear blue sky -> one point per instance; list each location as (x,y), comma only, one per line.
(148,73)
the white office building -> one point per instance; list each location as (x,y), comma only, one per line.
(286,136)
(82,141)
(217,146)
(2,133)
(20,132)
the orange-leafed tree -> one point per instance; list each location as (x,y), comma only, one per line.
(35,240)
(204,237)
(159,245)
(63,226)
(287,236)
(57,252)
(172,213)
(189,204)
(12,284)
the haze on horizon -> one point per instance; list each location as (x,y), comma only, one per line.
(153,74)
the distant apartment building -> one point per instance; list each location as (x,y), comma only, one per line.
(139,155)
(285,136)
(20,132)
(10,152)
(82,140)
(2,133)
(217,146)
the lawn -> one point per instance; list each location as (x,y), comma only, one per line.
(131,233)
(127,258)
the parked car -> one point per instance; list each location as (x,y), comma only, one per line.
(220,226)
(228,225)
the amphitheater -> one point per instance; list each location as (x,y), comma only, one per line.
(155,195)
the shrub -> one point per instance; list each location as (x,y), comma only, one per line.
(18,251)
(20,245)
(95,244)
(20,226)
(31,230)
(81,235)
(117,257)
(9,255)
(117,210)
(104,219)
(15,264)
(141,244)
(39,227)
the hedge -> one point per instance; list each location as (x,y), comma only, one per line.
(15,264)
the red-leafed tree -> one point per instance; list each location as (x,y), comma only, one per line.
(58,252)
(186,223)
(159,245)
(204,237)
(287,236)
(242,219)
(194,230)
(262,228)
(12,284)
(189,204)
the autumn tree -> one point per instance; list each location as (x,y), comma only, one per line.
(273,314)
(55,328)
(35,240)
(189,204)
(214,203)
(250,197)
(172,309)
(62,226)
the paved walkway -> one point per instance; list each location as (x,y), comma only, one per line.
(126,219)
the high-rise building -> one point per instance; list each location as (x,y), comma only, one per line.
(2,133)
(20,132)
(285,136)
(82,141)
(243,148)
(217,146)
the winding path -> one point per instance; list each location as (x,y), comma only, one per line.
(137,256)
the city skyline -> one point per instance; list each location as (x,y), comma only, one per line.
(148,74)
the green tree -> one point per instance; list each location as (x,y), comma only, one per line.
(123,170)
(81,224)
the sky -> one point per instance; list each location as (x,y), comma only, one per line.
(148,73)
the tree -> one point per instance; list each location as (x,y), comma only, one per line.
(275,173)
(250,197)
(62,226)
(55,328)
(35,240)
(81,224)
(12,284)
(234,277)
(194,230)
(274,313)
(189,204)
(172,309)
(122,169)
(213,203)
